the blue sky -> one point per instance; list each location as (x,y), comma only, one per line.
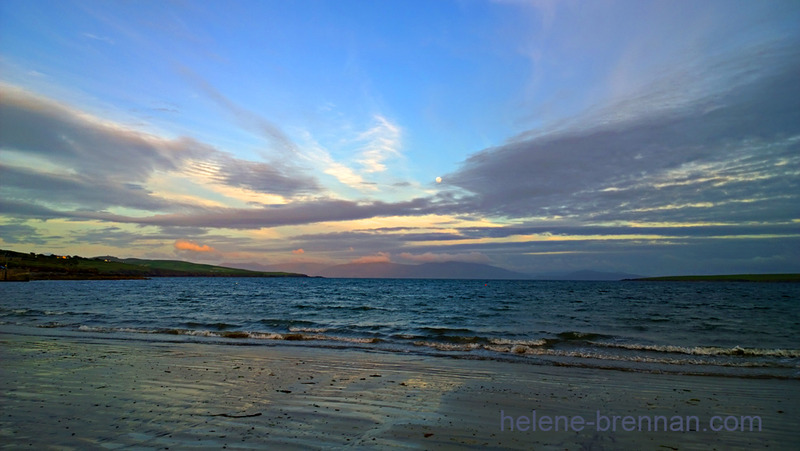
(640,136)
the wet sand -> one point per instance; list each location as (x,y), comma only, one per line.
(72,392)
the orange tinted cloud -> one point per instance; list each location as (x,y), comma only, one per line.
(380,257)
(184,245)
(298,251)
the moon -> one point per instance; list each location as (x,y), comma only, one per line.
(438,180)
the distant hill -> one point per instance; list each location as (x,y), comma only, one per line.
(170,266)
(32,266)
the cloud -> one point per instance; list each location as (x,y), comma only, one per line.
(184,245)
(722,158)
(701,160)
(19,233)
(127,237)
(344,174)
(55,154)
(427,257)
(77,190)
(310,212)
(380,257)
(248,119)
(263,177)
(115,236)
(298,251)
(373,147)
(676,229)
(40,127)
(321,210)
(98,38)
(395,239)
(383,142)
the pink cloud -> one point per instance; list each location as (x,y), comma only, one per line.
(298,251)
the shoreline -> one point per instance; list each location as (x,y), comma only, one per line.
(76,392)
(503,353)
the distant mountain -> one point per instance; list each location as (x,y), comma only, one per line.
(443,270)
(381,270)
(312,269)
(386,270)
(587,275)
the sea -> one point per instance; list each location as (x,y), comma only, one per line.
(733,329)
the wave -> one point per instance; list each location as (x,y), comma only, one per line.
(535,348)
(441,341)
(733,361)
(217,326)
(542,347)
(705,350)
(317,330)
(285,323)
(356,308)
(33,312)
(581,336)
(240,334)
(106,330)
(443,331)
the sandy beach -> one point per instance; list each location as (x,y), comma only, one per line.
(72,392)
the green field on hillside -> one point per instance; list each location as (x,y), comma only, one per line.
(32,266)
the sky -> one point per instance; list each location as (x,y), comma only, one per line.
(648,137)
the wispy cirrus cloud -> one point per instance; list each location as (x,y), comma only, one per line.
(373,146)
(362,155)
(382,143)
(95,37)
(246,118)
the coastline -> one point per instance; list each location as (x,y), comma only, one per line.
(77,392)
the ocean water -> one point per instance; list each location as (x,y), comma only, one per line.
(725,329)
